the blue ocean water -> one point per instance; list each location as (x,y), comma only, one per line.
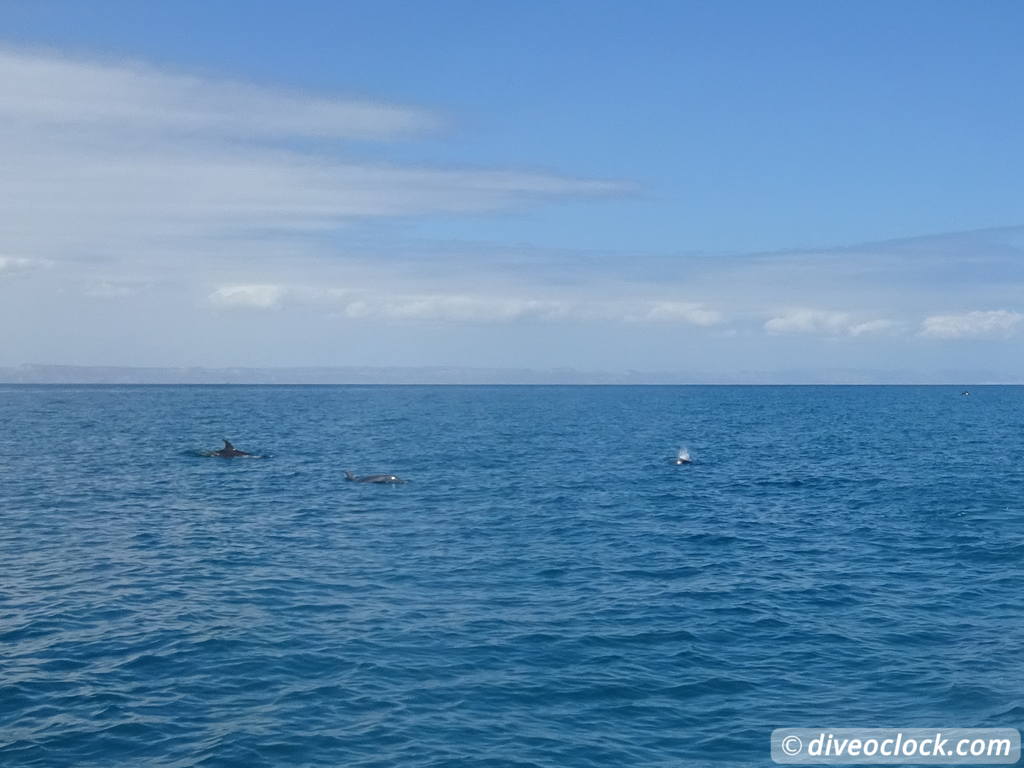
(548,589)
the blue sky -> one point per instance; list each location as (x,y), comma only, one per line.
(655,185)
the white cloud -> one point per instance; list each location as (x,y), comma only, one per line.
(978,324)
(110,289)
(121,162)
(248,296)
(479,308)
(455,309)
(16,264)
(809,321)
(679,312)
(825,322)
(40,89)
(871,326)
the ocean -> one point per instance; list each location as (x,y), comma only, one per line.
(548,589)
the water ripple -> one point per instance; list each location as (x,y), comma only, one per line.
(548,590)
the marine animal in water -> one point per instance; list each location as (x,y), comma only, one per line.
(229,451)
(373,478)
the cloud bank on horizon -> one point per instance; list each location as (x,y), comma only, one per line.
(153,217)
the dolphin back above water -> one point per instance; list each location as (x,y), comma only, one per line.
(229,451)
(380,479)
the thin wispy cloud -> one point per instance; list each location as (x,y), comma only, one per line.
(11,264)
(47,90)
(463,308)
(248,296)
(825,322)
(490,309)
(997,323)
(679,312)
(106,289)
(459,309)
(128,186)
(125,162)
(871,326)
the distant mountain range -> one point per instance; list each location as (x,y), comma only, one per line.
(72,374)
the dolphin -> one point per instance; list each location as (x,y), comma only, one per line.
(229,451)
(684,460)
(373,478)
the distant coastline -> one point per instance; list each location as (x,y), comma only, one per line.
(454,375)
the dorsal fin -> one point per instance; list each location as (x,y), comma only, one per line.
(227,444)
